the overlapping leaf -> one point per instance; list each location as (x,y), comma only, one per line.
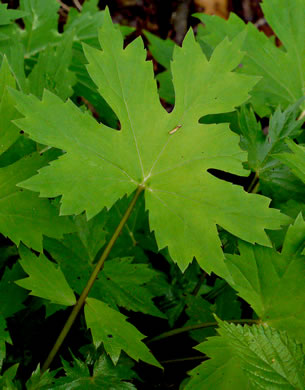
(78,376)
(276,180)
(23,216)
(255,357)
(185,202)
(273,283)
(121,283)
(282,71)
(45,280)
(110,327)
(295,160)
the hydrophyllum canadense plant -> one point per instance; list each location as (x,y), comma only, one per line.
(170,162)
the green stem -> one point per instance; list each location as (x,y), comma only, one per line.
(184,359)
(253,182)
(79,304)
(202,325)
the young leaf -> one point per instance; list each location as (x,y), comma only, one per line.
(40,380)
(24,216)
(40,24)
(184,200)
(275,179)
(110,327)
(52,70)
(295,160)
(78,377)
(273,283)
(46,280)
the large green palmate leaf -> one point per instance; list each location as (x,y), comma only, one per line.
(167,154)
(282,71)
(295,160)
(110,327)
(255,357)
(46,280)
(274,283)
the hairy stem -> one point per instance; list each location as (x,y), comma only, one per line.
(79,304)
(202,325)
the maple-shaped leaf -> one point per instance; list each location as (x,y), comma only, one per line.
(167,154)
(255,357)
(295,160)
(46,280)
(110,327)
(273,283)
(282,71)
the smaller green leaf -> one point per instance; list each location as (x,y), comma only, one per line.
(78,376)
(8,15)
(162,50)
(295,160)
(52,70)
(40,381)
(273,283)
(276,180)
(40,25)
(110,327)
(46,280)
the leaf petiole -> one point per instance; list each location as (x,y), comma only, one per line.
(79,304)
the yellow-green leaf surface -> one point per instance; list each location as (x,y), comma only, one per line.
(110,327)
(45,280)
(273,283)
(168,154)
